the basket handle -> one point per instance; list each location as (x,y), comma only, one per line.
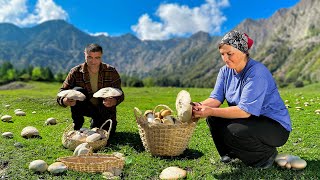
(109,120)
(137,113)
(66,131)
(163,106)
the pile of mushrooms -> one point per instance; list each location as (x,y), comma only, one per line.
(163,116)
(290,162)
(87,135)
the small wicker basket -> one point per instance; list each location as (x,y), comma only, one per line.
(71,144)
(163,139)
(92,162)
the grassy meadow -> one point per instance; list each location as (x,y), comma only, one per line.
(200,159)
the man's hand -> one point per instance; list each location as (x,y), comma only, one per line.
(109,102)
(69,102)
(201,111)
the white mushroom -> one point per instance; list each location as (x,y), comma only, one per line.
(149,115)
(93,137)
(80,146)
(298,164)
(7,135)
(72,94)
(51,121)
(17,110)
(173,173)
(57,167)
(317,111)
(38,166)
(107,92)
(6,118)
(20,113)
(29,131)
(84,151)
(183,106)
(167,118)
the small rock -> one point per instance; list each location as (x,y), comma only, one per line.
(8,135)
(173,173)
(108,175)
(57,168)
(18,145)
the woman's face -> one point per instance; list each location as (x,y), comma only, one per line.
(93,59)
(233,58)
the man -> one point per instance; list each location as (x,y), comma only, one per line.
(88,78)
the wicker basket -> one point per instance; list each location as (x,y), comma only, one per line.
(92,162)
(71,144)
(163,139)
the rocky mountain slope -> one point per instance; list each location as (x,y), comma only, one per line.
(287,43)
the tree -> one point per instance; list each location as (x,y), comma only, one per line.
(36,74)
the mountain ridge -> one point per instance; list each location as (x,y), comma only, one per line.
(287,43)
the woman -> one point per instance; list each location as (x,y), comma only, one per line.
(256,120)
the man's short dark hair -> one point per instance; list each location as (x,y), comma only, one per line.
(93,48)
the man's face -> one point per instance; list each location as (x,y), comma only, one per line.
(93,59)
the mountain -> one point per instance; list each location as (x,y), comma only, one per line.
(287,43)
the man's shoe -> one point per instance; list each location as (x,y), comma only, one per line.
(225,159)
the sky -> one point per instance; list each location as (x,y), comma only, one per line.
(146,19)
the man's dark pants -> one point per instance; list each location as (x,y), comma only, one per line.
(99,114)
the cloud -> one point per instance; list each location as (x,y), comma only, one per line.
(99,34)
(180,20)
(16,12)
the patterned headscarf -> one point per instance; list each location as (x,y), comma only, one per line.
(238,40)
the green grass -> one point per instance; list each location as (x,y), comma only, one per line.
(200,159)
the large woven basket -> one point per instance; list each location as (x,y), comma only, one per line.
(92,162)
(163,139)
(71,144)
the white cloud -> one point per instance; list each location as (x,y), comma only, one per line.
(99,34)
(180,20)
(16,12)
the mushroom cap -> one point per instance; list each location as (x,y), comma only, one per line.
(72,94)
(29,131)
(147,112)
(6,118)
(298,164)
(57,167)
(281,162)
(173,172)
(165,113)
(38,165)
(107,92)
(183,106)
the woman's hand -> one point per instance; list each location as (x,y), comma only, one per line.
(109,102)
(69,102)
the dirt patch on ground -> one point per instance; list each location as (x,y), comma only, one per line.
(3,167)
(15,85)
